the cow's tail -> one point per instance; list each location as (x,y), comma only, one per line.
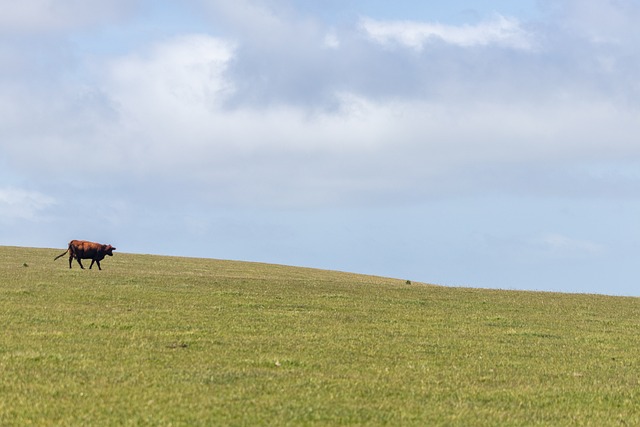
(63,253)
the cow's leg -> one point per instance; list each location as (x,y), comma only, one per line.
(81,266)
(70,259)
(98,262)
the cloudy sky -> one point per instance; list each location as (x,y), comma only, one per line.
(487,143)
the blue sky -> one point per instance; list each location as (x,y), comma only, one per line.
(488,144)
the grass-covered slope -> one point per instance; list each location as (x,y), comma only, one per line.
(186,342)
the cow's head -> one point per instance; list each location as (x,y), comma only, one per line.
(108,249)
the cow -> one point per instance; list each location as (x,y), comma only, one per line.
(80,249)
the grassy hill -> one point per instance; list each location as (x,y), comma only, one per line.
(195,342)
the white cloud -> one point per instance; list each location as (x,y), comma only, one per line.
(172,109)
(16,203)
(162,115)
(264,22)
(38,16)
(331,40)
(173,114)
(175,78)
(600,22)
(502,31)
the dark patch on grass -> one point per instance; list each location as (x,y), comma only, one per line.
(176,345)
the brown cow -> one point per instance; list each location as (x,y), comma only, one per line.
(80,249)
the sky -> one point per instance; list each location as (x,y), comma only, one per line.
(488,144)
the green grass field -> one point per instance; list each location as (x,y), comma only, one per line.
(167,341)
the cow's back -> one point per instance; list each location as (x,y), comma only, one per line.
(84,249)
